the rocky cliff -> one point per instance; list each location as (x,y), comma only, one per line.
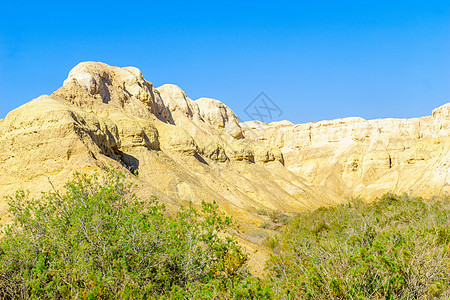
(356,157)
(176,148)
(192,150)
(185,150)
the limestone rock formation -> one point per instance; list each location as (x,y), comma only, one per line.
(181,150)
(356,157)
(185,150)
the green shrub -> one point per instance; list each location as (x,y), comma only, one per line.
(398,247)
(97,240)
(267,225)
(279,217)
(262,212)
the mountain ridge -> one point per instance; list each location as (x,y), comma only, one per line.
(193,150)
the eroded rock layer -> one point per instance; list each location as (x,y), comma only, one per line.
(185,150)
(356,157)
(192,150)
(176,148)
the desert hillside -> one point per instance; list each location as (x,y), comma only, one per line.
(184,150)
(357,157)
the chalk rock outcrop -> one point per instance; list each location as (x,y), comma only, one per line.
(193,150)
(356,157)
(220,116)
(176,148)
(185,150)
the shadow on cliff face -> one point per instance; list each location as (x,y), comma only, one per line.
(130,162)
(200,159)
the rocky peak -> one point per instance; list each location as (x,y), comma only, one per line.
(184,151)
(197,150)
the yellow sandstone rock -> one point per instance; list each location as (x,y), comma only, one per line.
(183,150)
(109,115)
(356,157)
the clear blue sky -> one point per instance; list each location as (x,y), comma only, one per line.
(316,59)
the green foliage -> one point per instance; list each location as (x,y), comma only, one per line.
(267,225)
(262,212)
(97,240)
(395,248)
(279,217)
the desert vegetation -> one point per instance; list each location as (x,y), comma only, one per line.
(96,240)
(394,248)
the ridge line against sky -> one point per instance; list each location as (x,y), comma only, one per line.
(315,61)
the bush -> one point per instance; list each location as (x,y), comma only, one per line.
(395,248)
(97,240)
(262,212)
(279,217)
(267,225)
